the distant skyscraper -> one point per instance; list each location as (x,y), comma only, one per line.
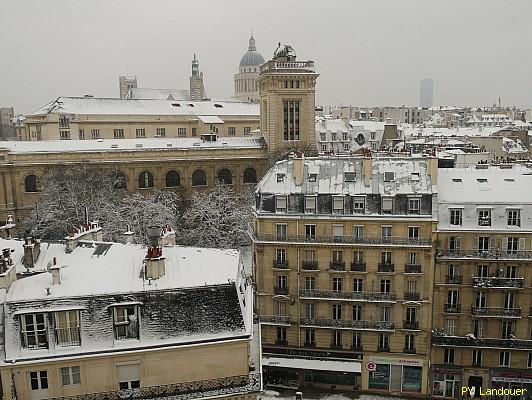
(426,93)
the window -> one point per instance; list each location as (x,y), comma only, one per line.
(310,310)
(145,180)
(357,313)
(310,336)
(280,256)
(194,130)
(389,176)
(358,232)
(337,284)
(346,146)
(250,175)
(282,281)
(410,342)
(386,233)
(511,271)
(386,257)
(281,231)
(338,256)
(484,217)
(173,179)
(225,177)
(70,376)
(81,134)
(64,135)
(514,244)
(310,204)
(508,329)
(411,314)
(280,203)
(323,136)
(95,133)
(140,133)
(310,283)
(338,204)
(448,356)
(358,256)
(128,376)
(281,308)
(324,147)
(336,339)
(338,233)
(247,130)
(357,340)
(455,243)
(385,313)
(34,333)
(476,358)
(199,178)
(359,205)
(483,271)
(384,341)
(118,134)
(504,359)
(452,299)
(336,311)
(413,258)
(413,232)
(310,255)
(39,380)
(450,327)
(312,177)
(358,285)
(31,184)
(281,334)
(344,136)
(529,364)
(64,122)
(455,217)
(161,132)
(387,205)
(350,176)
(414,205)
(333,136)
(290,120)
(231,131)
(509,300)
(67,328)
(181,132)
(126,322)
(385,285)
(482,243)
(310,232)
(372,135)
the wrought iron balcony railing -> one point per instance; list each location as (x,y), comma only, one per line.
(454,279)
(385,267)
(281,264)
(280,290)
(337,265)
(341,323)
(452,308)
(499,283)
(309,265)
(413,268)
(486,254)
(274,66)
(410,324)
(276,319)
(404,241)
(498,312)
(357,296)
(358,266)
(464,341)
(231,385)
(412,296)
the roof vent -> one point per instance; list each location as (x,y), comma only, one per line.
(509,179)
(190,105)
(100,140)
(457,180)
(350,176)
(197,144)
(176,105)
(415,176)
(168,144)
(389,176)
(114,146)
(218,105)
(280,177)
(138,145)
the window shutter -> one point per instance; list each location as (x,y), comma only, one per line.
(458,243)
(504,244)
(493,243)
(476,242)
(521,244)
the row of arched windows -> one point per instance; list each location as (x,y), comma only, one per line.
(172,179)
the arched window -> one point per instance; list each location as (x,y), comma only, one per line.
(31,183)
(224,177)
(199,178)
(145,180)
(173,179)
(119,181)
(250,175)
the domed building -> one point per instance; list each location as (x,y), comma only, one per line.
(246,86)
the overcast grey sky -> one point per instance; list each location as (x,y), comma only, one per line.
(371,52)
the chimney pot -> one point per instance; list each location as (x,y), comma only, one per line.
(56,274)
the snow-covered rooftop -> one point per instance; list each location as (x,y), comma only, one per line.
(412,131)
(159,94)
(114,106)
(97,145)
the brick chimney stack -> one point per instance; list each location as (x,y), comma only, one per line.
(32,249)
(155,263)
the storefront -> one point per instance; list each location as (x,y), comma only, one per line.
(446,382)
(395,375)
(512,379)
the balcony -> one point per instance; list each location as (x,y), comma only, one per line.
(377,241)
(410,324)
(309,265)
(353,296)
(275,320)
(412,268)
(499,283)
(280,264)
(337,265)
(454,279)
(461,341)
(280,290)
(387,326)
(358,267)
(412,296)
(296,66)
(485,255)
(451,308)
(208,388)
(496,312)
(385,267)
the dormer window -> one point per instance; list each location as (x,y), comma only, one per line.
(414,205)
(484,217)
(67,328)
(387,205)
(359,205)
(415,176)
(310,204)
(34,334)
(389,176)
(312,177)
(280,203)
(338,204)
(350,176)
(126,322)
(280,177)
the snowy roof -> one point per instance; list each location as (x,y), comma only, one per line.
(372,126)
(410,176)
(114,106)
(449,132)
(97,268)
(97,145)
(492,184)
(210,119)
(158,94)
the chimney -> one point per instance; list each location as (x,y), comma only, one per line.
(432,169)
(32,249)
(90,231)
(154,263)
(299,168)
(55,270)
(167,237)
(128,235)
(366,170)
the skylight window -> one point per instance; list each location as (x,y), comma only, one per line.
(415,176)
(218,105)
(350,176)
(389,177)
(312,177)
(509,179)
(190,105)
(176,105)
(280,177)
(482,180)
(457,180)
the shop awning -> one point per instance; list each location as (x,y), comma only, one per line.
(315,364)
